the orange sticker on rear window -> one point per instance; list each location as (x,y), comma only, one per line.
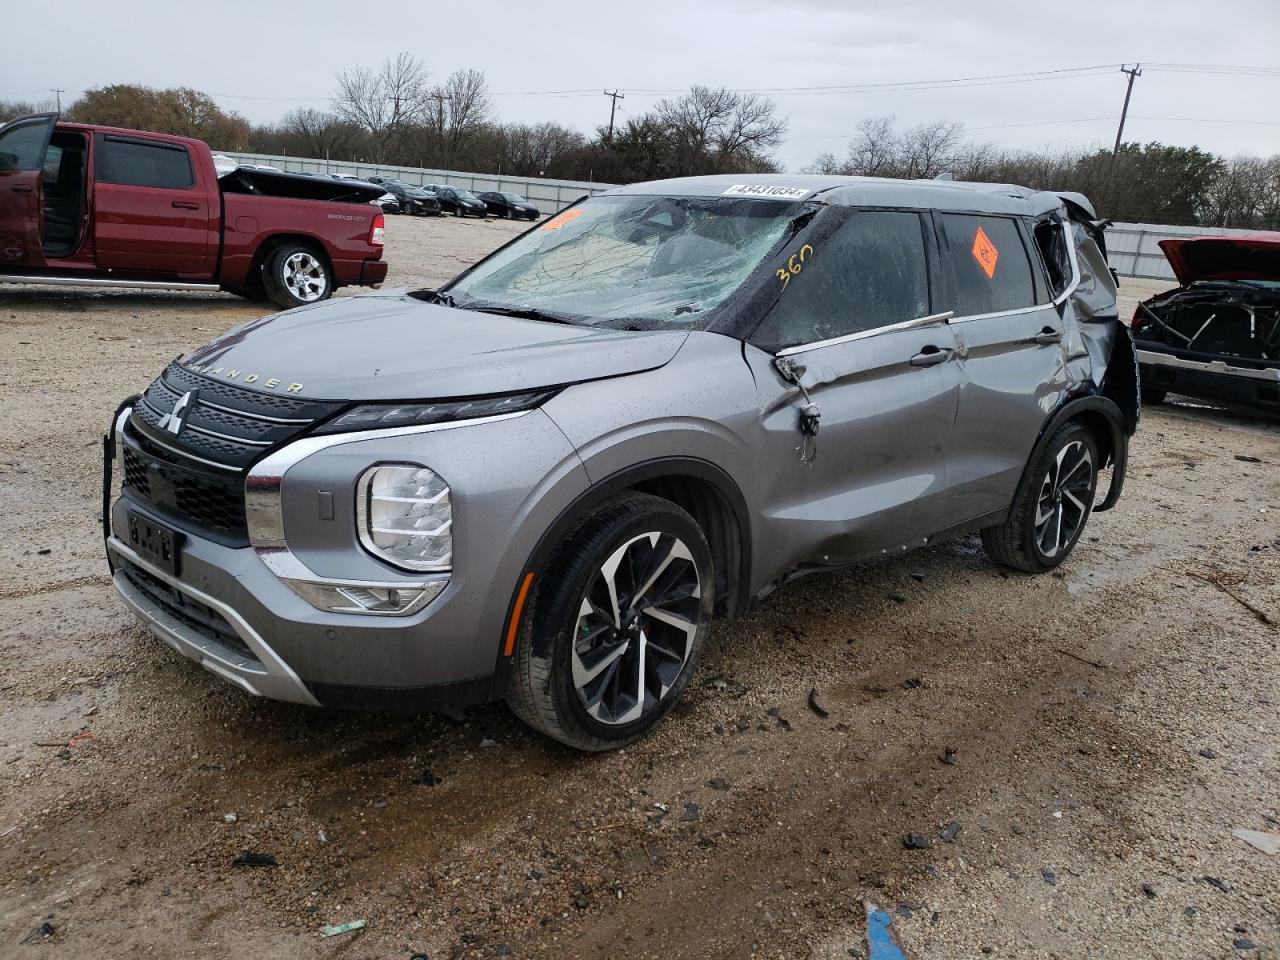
(985,252)
(555,223)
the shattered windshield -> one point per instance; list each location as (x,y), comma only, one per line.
(656,262)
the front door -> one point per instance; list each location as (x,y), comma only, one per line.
(852,343)
(151,213)
(23,144)
(1014,359)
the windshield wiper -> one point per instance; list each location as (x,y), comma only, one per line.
(522,313)
(434,296)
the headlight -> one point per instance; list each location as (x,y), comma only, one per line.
(372,416)
(404,516)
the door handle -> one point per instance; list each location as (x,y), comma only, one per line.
(931,356)
(1048,335)
(21,188)
(186,205)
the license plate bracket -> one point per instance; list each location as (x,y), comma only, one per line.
(156,543)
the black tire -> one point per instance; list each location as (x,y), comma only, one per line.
(1021,543)
(1151,396)
(458,211)
(543,691)
(283,285)
(509,213)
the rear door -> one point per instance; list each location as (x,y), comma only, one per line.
(23,144)
(856,326)
(152,213)
(1014,361)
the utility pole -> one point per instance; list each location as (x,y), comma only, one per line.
(1124,112)
(58,92)
(613,108)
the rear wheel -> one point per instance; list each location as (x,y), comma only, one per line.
(295,275)
(618,625)
(1049,515)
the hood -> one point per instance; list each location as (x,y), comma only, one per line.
(391,346)
(1254,256)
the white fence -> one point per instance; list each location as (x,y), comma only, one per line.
(1133,248)
(549,196)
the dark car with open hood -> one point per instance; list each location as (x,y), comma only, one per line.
(1217,335)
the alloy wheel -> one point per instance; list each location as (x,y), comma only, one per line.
(305,277)
(1065,495)
(635,627)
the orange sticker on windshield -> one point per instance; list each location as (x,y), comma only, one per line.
(555,223)
(985,252)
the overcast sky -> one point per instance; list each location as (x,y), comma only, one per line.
(262,58)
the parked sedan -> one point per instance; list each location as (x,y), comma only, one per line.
(1216,336)
(509,205)
(413,200)
(461,203)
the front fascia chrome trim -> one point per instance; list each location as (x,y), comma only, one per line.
(934,319)
(275,679)
(190,456)
(264,513)
(100,282)
(1207,366)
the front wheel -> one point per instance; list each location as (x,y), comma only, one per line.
(617,627)
(295,275)
(458,211)
(1048,517)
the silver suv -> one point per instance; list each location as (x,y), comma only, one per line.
(543,481)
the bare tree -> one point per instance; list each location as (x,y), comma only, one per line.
(930,149)
(874,149)
(384,102)
(529,150)
(715,131)
(456,110)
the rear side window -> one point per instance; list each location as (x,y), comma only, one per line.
(144,164)
(1051,239)
(870,273)
(988,262)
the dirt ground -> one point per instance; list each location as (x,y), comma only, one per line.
(1112,724)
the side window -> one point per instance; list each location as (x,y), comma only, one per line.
(22,147)
(1051,239)
(140,164)
(988,262)
(870,273)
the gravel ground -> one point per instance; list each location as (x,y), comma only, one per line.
(1111,724)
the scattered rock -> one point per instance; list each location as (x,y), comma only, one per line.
(582,896)
(1245,458)
(1209,754)
(949,756)
(1244,943)
(1217,884)
(691,813)
(42,932)
(950,831)
(427,779)
(916,841)
(897,598)
(911,683)
(486,743)
(251,859)
(776,713)
(918,577)
(230,817)
(718,783)
(1049,877)
(1149,890)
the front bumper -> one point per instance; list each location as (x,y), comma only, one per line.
(229,609)
(1258,389)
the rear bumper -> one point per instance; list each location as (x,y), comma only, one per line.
(1257,389)
(372,272)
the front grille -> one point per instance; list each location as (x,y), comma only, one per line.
(195,478)
(191,613)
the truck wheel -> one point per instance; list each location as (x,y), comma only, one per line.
(295,275)
(617,627)
(1050,513)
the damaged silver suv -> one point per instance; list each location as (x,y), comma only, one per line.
(543,481)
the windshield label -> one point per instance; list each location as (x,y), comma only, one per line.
(766,190)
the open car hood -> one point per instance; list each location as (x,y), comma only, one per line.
(390,346)
(1255,256)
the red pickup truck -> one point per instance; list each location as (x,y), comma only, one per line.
(99,206)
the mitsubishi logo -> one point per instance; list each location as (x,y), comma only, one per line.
(174,419)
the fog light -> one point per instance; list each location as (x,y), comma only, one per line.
(377,600)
